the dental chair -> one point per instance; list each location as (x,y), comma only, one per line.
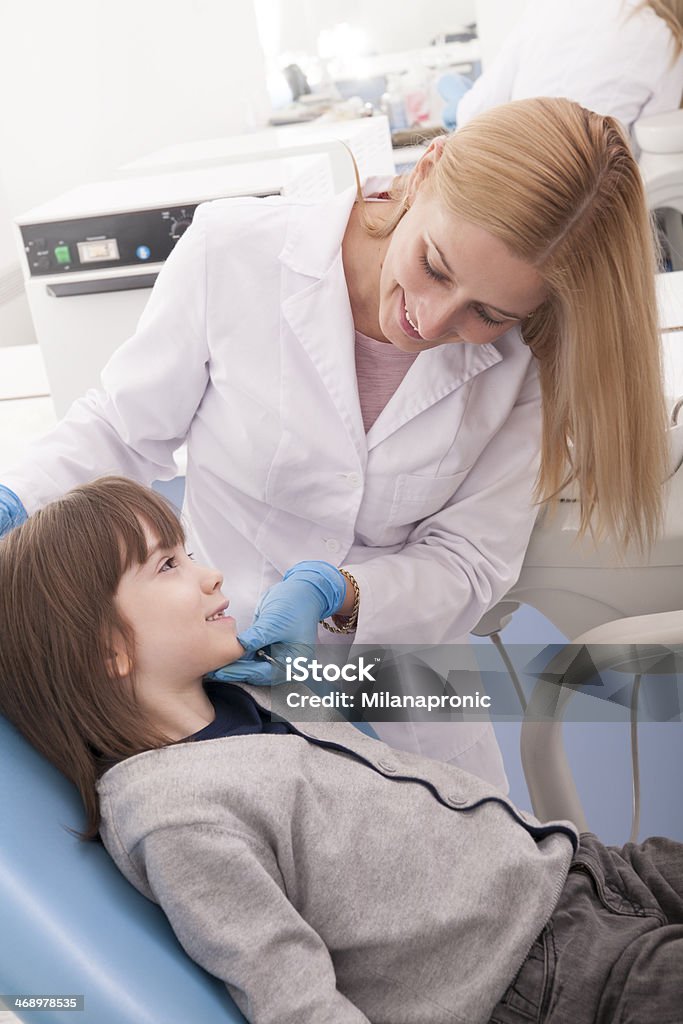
(71,924)
(618,616)
(660,139)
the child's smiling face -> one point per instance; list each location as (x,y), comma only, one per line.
(175,607)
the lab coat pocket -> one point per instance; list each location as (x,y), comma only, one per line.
(417,497)
(393,504)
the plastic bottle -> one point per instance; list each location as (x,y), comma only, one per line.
(393,105)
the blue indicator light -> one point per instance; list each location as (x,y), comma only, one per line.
(143,252)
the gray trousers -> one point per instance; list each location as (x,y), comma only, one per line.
(612,952)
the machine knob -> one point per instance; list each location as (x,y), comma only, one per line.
(179,226)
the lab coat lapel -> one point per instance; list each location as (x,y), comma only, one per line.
(319,311)
(434,374)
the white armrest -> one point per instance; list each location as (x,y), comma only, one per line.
(640,644)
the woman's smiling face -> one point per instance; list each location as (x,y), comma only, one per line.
(446,280)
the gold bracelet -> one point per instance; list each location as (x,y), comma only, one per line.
(352,619)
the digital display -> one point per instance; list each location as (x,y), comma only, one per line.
(98,250)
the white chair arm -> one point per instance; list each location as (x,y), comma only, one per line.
(640,644)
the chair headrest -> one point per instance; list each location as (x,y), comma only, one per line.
(675,435)
(662,133)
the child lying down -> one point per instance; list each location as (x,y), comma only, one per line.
(323,876)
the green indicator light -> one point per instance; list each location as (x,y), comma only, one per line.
(62,254)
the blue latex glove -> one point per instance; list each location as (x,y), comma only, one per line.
(12,512)
(286,622)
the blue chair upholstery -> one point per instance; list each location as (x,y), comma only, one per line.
(71,923)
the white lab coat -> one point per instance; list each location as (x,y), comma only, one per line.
(596,52)
(246,351)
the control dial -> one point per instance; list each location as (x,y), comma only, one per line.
(179,226)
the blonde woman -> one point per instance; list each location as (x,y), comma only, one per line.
(358,383)
(623,58)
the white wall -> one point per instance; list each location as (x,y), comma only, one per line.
(7,244)
(89,84)
(16,326)
(391,26)
(495,19)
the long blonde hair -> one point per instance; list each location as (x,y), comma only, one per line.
(559,186)
(670,11)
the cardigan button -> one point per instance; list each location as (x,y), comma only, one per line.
(455,800)
(387,766)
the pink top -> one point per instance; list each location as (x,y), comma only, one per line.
(380,368)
